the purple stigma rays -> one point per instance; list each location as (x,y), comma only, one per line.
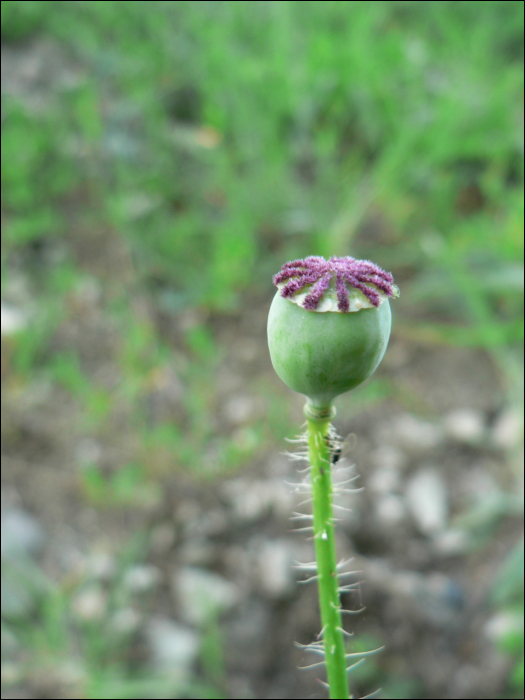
(373,282)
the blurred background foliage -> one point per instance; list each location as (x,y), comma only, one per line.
(161,160)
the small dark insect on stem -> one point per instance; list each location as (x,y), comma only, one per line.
(336,448)
(336,454)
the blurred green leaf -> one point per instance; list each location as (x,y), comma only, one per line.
(509,584)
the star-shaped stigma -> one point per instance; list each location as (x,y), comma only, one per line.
(373,282)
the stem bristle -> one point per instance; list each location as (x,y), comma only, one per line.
(323,454)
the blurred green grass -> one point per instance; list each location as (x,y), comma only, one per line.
(216,140)
(221,138)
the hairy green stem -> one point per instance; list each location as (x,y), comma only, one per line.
(318,422)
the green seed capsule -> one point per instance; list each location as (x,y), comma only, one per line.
(322,355)
(324,340)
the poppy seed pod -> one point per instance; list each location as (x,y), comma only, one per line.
(329,325)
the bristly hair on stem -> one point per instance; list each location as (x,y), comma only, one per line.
(324,451)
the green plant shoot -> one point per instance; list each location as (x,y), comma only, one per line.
(328,329)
